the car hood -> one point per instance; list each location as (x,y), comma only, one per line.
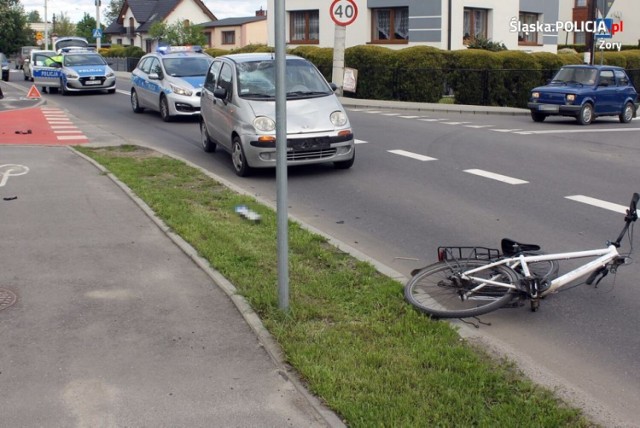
(190,81)
(561,89)
(303,115)
(90,70)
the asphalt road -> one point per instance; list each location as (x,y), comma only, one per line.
(397,207)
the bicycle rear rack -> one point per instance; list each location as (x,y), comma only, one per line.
(467,253)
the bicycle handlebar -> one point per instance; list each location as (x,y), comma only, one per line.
(632,215)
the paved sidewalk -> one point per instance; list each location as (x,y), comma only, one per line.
(104,321)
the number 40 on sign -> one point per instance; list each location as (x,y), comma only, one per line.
(343,12)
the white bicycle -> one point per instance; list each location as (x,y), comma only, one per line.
(472,281)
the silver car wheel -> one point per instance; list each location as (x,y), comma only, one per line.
(237,156)
(627,113)
(586,114)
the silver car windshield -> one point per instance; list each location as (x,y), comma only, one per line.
(583,76)
(84,59)
(256,80)
(186,67)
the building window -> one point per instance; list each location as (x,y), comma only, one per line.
(581,3)
(579,38)
(208,36)
(305,26)
(390,25)
(228,37)
(148,45)
(475,24)
(529,20)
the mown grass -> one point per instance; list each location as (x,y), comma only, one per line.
(349,333)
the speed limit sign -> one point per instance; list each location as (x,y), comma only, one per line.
(343,12)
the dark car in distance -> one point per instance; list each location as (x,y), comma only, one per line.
(585,92)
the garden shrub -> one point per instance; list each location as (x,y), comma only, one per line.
(376,70)
(420,74)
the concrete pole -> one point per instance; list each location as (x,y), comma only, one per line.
(98,39)
(46,27)
(339,41)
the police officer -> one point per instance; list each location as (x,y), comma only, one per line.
(50,62)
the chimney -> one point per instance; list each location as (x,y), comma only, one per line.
(261,12)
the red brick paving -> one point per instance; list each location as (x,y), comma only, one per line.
(16,124)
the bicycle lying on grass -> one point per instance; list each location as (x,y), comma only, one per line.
(472,281)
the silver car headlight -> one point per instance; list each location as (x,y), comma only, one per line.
(338,118)
(180,91)
(264,124)
(111,74)
(71,75)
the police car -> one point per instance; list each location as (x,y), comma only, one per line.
(170,81)
(76,70)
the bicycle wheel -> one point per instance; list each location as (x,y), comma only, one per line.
(438,290)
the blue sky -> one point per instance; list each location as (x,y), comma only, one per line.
(75,9)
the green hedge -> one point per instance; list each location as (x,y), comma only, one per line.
(424,74)
(421,74)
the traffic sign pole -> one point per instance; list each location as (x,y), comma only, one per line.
(99,30)
(343,13)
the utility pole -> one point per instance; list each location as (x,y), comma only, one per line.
(99,30)
(590,37)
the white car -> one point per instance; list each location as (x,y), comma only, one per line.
(36,59)
(170,81)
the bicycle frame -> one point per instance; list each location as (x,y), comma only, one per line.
(604,255)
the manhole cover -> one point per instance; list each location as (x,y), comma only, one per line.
(7,298)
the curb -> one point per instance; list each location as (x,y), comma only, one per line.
(265,338)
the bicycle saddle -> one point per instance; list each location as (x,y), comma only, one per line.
(511,247)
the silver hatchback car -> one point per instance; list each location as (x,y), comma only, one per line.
(238,113)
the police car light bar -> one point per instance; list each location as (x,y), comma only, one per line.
(75,49)
(164,50)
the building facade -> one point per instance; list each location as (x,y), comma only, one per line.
(444,24)
(620,12)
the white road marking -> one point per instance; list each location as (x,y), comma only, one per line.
(11,170)
(430,120)
(599,203)
(391,114)
(422,158)
(360,142)
(494,176)
(409,117)
(123,92)
(478,126)
(72,137)
(69,126)
(505,130)
(455,123)
(576,131)
(67,131)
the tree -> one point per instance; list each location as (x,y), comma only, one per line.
(85,27)
(14,31)
(63,26)
(113,11)
(178,33)
(34,16)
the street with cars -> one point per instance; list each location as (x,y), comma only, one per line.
(426,178)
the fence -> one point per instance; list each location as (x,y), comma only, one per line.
(498,87)
(122,64)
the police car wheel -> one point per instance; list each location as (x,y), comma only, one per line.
(164,109)
(135,103)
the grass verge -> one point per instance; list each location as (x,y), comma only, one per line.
(349,333)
